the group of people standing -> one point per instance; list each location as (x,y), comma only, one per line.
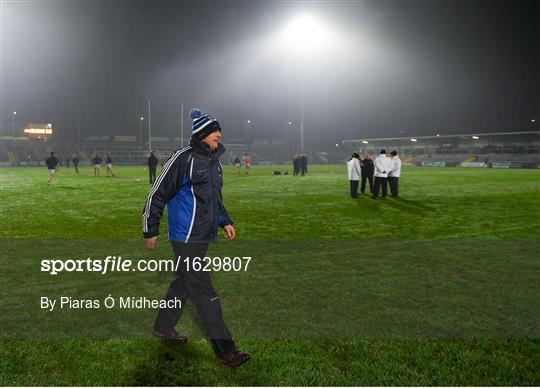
(96,161)
(53,164)
(237,163)
(300,163)
(386,169)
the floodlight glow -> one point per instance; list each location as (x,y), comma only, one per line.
(290,123)
(414,140)
(365,141)
(475,137)
(14,113)
(142,118)
(305,32)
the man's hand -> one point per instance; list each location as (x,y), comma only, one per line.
(230,233)
(151,242)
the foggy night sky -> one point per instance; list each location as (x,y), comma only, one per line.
(450,66)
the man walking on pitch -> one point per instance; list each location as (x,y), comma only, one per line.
(190,185)
(382,167)
(393,175)
(51,163)
(152,167)
(303,164)
(296,165)
(75,162)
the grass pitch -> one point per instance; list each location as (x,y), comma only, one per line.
(438,287)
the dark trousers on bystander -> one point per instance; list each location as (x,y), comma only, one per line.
(152,174)
(363,187)
(381,184)
(354,189)
(394,185)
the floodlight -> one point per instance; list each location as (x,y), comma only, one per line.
(414,140)
(305,32)
(475,137)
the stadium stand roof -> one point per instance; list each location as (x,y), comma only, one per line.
(468,135)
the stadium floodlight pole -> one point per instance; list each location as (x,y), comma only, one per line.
(13,129)
(182,124)
(149,129)
(141,119)
(304,33)
(79,135)
(302,109)
(246,131)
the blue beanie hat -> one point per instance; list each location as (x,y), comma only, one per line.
(203,125)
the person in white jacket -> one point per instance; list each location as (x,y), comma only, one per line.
(382,167)
(355,172)
(393,175)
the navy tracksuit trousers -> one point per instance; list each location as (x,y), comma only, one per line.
(197,286)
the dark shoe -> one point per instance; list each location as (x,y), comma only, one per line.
(234,358)
(172,335)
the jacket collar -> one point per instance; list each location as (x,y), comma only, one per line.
(204,148)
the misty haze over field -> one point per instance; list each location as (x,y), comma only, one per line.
(370,69)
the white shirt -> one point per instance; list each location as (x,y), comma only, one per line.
(395,171)
(382,166)
(354,169)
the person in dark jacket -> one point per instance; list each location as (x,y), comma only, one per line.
(75,161)
(296,165)
(96,160)
(190,185)
(303,164)
(51,163)
(152,167)
(367,174)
